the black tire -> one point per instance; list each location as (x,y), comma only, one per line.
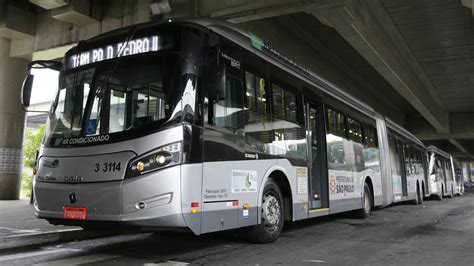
(439,197)
(32,197)
(416,201)
(421,195)
(452,192)
(273,216)
(366,204)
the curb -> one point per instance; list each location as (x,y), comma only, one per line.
(66,235)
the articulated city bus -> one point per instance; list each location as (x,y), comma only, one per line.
(442,176)
(195,124)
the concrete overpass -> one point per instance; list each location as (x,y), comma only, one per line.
(410,59)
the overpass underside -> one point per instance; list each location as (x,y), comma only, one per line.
(409,59)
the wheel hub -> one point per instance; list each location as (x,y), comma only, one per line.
(271,210)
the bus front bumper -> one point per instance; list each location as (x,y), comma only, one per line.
(151,200)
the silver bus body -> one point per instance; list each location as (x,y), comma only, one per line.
(213,195)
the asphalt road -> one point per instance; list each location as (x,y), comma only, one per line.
(435,233)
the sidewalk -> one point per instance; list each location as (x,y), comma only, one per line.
(17,218)
(19,227)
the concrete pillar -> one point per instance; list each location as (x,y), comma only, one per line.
(12,121)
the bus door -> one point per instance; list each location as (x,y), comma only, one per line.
(318,183)
(403,166)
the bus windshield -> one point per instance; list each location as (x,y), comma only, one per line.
(141,90)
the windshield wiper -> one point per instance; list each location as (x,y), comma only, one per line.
(75,93)
(99,90)
(120,52)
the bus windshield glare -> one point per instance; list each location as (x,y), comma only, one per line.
(141,90)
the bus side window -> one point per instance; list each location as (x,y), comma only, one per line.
(257,120)
(337,147)
(227,94)
(370,136)
(355,130)
(290,135)
(336,123)
(256,98)
(371,152)
(284,103)
(228,110)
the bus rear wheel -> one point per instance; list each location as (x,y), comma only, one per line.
(420,194)
(418,198)
(366,204)
(272,216)
(452,192)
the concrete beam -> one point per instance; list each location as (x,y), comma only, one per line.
(16,23)
(77,12)
(244,10)
(469,4)
(461,127)
(53,53)
(52,33)
(23,48)
(349,80)
(366,25)
(461,148)
(49,4)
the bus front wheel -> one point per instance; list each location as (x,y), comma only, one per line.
(272,216)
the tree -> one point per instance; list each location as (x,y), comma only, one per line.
(32,144)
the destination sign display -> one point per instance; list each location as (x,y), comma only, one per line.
(132,47)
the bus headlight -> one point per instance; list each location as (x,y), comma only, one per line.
(160,159)
(140,166)
(164,156)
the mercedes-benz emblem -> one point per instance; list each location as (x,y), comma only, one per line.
(72,197)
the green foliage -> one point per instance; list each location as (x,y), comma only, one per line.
(32,144)
(26,183)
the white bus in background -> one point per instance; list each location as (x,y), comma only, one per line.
(458,177)
(441,169)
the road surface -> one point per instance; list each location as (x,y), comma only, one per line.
(434,233)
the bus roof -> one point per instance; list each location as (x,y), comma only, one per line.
(405,133)
(245,39)
(438,151)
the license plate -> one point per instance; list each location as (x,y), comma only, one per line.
(76,213)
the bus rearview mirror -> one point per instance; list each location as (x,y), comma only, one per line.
(32,87)
(26,91)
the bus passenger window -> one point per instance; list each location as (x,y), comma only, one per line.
(336,123)
(257,121)
(228,110)
(371,152)
(370,136)
(290,136)
(284,104)
(355,130)
(256,98)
